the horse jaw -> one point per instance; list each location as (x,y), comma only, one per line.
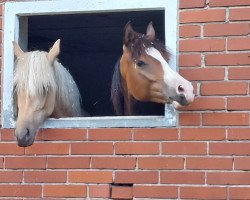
(178,90)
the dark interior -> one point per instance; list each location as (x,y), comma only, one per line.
(91,43)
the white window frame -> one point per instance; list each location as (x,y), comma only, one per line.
(16,29)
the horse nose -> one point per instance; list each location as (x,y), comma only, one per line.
(180,89)
(25,139)
(186,94)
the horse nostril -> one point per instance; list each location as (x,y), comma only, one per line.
(28,132)
(180,89)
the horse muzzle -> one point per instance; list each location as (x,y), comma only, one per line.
(24,139)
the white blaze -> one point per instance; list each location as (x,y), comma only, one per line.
(171,78)
(169,74)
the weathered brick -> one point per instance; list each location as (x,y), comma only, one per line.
(226,29)
(182,177)
(90,176)
(65,191)
(155,192)
(193,16)
(203,192)
(225,119)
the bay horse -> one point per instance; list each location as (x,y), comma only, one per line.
(42,88)
(143,74)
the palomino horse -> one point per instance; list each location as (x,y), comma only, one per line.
(42,88)
(143,74)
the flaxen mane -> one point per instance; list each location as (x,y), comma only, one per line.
(35,75)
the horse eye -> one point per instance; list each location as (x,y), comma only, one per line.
(140,63)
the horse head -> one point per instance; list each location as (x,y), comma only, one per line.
(34,90)
(146,74)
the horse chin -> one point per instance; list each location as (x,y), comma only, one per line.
(176,105)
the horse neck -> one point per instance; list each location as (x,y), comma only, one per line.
(67,105)
(128,109)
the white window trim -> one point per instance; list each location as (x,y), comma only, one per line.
(12,11)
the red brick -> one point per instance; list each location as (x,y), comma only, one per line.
(110,134)
(122,192)
(213,3)
(1,162)
(160,163)
(48,149)
(227,59)
(182,177)
(99,191)
(239,134)
(25,162)
(242,163)
(215,15)
(238,103)
(200,45)
(204,103)
(156,192)
(184,148)
(239,73)
(226,29)
(113,163)
(189,119)
(68,162)
(238,149)
(192,3)
(190,60)
(140,177)
(228,178)
(225,119)
(224,88)
(203,193)
(239,14)
(90,176)
(7,135)
(142,148)
(11,149)
(203,74)
(202,163)
(150,134)
(203,134)
(189,31)
(93,148)
(65,191)
(239,193)
(45,176)
(63,134)
(235,44)
(20,191)
(11,176)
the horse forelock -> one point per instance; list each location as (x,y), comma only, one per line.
(34,74)
(142,42)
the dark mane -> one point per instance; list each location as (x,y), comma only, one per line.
(141,42)
(116,90)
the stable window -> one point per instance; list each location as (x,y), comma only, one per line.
(91,34)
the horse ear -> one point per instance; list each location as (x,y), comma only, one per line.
(129,34)
(54,51)
(151,31)
(17,49)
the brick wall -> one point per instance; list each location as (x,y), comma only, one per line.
(205,157)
